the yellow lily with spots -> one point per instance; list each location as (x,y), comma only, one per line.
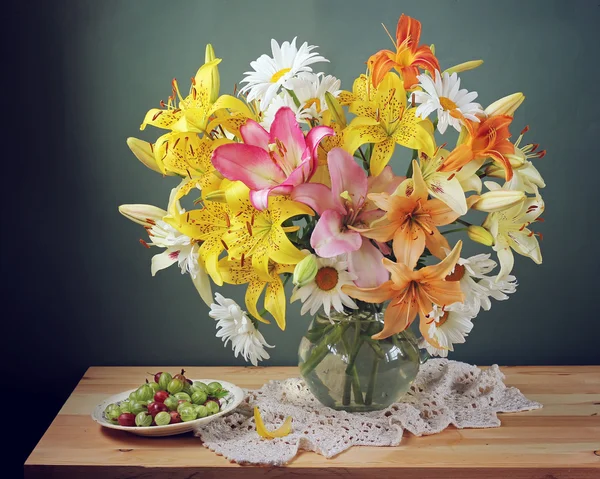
(193,112)
(242,272)
(386,121)
(260,235)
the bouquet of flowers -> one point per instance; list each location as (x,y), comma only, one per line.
(290,179)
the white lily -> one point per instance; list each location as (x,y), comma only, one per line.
(526,177)
(510,231)
(178,248)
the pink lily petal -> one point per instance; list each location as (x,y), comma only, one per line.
(255,135)
(383,247)
(347,175)
(366,263)
(314,137)
(385,182)
(318,197)
(300,175)
(250,164)
(330,237)
(260,198)
(285,128)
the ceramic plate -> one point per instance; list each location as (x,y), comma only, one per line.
(228,404)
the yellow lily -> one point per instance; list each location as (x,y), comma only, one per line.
(386,121)
(193,112)
(242,272)
(327,144)
(262,431)
(144,151)
(260,234)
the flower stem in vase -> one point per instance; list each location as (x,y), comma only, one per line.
(352,380)
(372,381)
(322,348)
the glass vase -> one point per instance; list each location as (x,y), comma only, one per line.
(348,370)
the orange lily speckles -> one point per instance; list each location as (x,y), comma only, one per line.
(411,292)
(487,139)
(411,221)
(408,57)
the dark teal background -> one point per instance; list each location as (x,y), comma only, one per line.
(77,281)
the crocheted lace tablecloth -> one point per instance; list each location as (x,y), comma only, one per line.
(444,393)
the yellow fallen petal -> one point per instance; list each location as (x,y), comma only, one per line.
(262,431)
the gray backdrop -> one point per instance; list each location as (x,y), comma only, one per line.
(82,282)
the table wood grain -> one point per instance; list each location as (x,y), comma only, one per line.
(559,441)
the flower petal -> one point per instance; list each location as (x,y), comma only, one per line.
(164,260)
(275,301)
(250,164)
(409,244)
(399,314)
(443,268)
(379,294)
(381,155)
(285,128)
(330,238)
(255,135)
(448,191)
(314,137)
(366,264)
(347,176)
(202,283)
(318,197)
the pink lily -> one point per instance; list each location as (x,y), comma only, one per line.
(343,207)
(272,162)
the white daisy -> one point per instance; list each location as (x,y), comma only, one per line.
(237,327)
(447,329)
(477,286)
(326,288)
(310,91)
(444,95)
(270,74)
(279,101)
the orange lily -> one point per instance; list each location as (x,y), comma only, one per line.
(412,292)
(407,58)
(486,139)
(411,220)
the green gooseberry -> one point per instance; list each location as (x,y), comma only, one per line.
(182,405)
(214,387)
(213,407)
(199,397)
(137,407)
(200,386)
(171,402)
(155,387)
(145,392)
(162,418)
(201,410)
(164,380)
(125,406)
(113,413)
(133,396)
(143,419)
(175,386)
(184,396)
(187,413)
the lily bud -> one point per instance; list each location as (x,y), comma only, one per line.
(506,105)
(305,270)
(480,235)
(143,152)
(219,196)
(142,214)
(337,112)
(215,79)
(463,67)
(516,161)
(498,200)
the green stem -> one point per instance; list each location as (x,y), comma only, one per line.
(322,348)
(351,367)
(372,381)
(463,222)
(455,230)
(294,97)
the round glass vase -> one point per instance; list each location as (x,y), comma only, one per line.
(347,370)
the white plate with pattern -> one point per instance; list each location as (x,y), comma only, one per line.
(228,404)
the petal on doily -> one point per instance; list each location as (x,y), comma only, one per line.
(262,431)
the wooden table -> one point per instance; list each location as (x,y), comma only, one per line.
(560,441)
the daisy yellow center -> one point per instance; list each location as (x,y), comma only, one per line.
(276,76)
(447,103)
(457,274)
(327,278)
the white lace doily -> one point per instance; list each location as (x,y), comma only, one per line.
(444,393)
